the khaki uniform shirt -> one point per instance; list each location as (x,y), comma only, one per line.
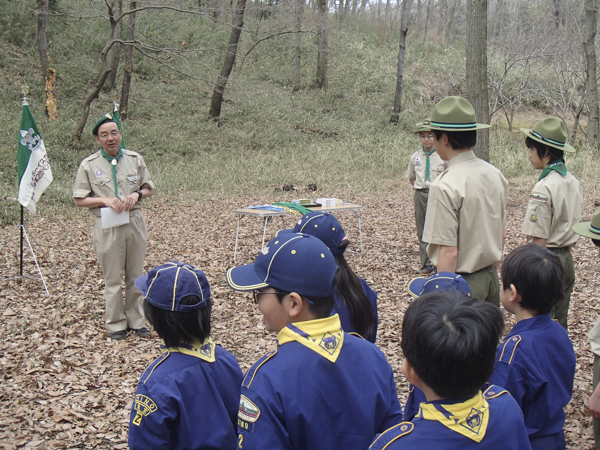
(467,209)
(94,177)
(416,168)
(555,205)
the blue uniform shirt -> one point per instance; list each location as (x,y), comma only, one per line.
(187,398)
(321,389)
(536,364)
(341,309)
(415,398)
(490,420)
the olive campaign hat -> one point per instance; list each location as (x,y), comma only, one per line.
(423,126)
(454,114)
(105,118)
(551,132)
(589,229)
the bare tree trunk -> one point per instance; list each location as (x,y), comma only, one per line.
(401,53)
(428,19)
(236,31)
(363,4)
(105,68)
(557,13)
(299,12)
(42,23)
(386,21)
(589,46)
(476,71)
(128,63)
(322,46)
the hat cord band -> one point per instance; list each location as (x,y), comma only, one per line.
(594,230)
(551,141)
(457,126)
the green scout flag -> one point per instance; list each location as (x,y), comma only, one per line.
(117,119)
(32,162)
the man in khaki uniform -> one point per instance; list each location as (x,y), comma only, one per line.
(466,210)
(555,204)
(424,167)
(118,179)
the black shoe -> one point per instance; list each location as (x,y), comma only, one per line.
(426,269)
(118,335)
(142,332)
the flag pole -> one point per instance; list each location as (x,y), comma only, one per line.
(21,259)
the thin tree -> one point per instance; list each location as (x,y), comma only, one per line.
(42,23)
(236,31)
(589,47)
(298,12)
(406,4)
(322,46)
(125,89)
(476,71)
(428,19)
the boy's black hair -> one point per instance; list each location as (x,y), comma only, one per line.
(321,306)
(351,293)
(543,149)
(179,327)
(537,275)
(458,139)
(596,242)
(450,341)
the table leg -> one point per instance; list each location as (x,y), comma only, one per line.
(236,238)
(359,230)
(264,233)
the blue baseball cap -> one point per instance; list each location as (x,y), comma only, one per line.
(444,281)
(166,285)
(291,262)
(321,225)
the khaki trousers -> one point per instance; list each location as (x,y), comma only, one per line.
(560,311)
(484,284)
(420,210)
(595,381)
(122,249)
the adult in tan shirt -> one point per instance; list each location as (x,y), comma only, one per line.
(118,179)
(556,202)
(466,210)
(424,166)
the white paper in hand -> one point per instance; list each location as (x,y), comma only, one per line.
(110,218)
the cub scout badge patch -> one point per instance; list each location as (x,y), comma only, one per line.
(143,406)
(248,411)
(99,173)
(473,421)
(329,343)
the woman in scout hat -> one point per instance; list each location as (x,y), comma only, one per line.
(423,167)
(556,203)
(468,239)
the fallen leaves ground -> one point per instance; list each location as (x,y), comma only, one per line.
(65,384)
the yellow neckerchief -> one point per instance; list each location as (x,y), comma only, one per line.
(469,418)
(323,336)
(204,350)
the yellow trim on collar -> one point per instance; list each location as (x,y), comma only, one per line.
(204,350)
(469,418)
(323,336)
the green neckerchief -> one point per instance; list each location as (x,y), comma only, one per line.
(559,166)
(427,155)
(113,164)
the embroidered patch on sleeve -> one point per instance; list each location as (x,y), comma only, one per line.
(248,411)
(537,197)
(143,406)
(534,218)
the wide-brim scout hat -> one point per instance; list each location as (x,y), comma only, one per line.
(291,262)
(454,114)
(423,126)
(589,229)
(442,281)
(166,285)
(105,118)
(322,225)
(551,132)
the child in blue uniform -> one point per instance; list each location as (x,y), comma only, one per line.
(536,361)
(449,342)
(355,301)
(322,388)
(188,397)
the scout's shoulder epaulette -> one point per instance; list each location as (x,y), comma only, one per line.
(131,153)
(354,333)
(154,365)
(494,391)
(257,365)
(92,157)
(509,347)
(392,434)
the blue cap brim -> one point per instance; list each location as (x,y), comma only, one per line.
(244,278)
(415,286)
(141,283)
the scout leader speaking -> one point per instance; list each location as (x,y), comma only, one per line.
(118,179)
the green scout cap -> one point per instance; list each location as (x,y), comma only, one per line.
(589,229)
(105,118)
(423,126)
(454,114)
(550,131)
